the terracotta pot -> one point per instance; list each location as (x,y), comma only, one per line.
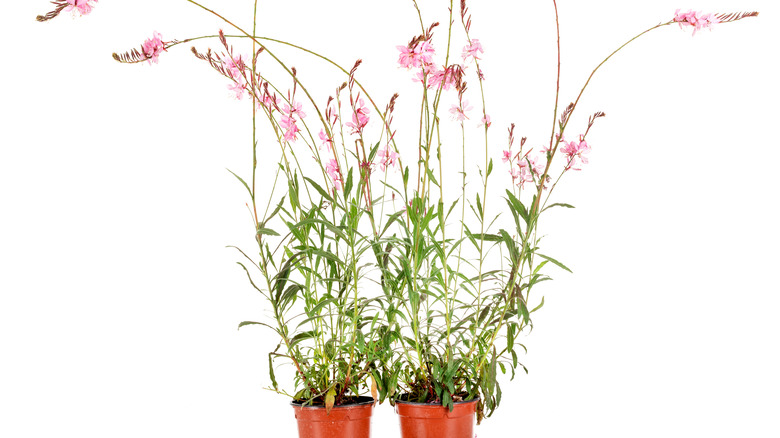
(425,420)
(346,421)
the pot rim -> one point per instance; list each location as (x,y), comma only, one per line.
(362,400)
(475,399)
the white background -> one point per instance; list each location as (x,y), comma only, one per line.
(120,302)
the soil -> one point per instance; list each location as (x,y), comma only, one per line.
(459,397)
(347,400)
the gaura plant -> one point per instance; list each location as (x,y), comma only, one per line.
(383,276)
(310,261)
(457,307)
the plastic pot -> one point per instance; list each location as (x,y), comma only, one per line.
(425,420)
(345,421)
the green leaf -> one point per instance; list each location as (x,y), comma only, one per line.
(348,185)
(539,306)
(510,244)
(451,207)
(244,183)
(510,337)
(336,230)
(290,292)
(489,237)
(522,311)
(268,231)
(392,218)
(327,255)
(276,210)
(271,370)
(319,189)
(555,262)
(517,206)
(243,323)
(301,337)
(483,314)
(558,204)
(430,175)
(320,305)
(539,267)
(292,187)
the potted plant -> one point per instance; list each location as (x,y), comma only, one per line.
(309,263)
(378,280)
(459,282)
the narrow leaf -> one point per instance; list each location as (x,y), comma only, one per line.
(555,262)
(558,204)
(319,189)
(244,183)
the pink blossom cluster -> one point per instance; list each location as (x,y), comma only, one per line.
(387,157)
(288,121)
(153,47)
(417,56)
(574,151)
(697,20)
(472,50)
(525,170)
(332,168)
(83,7)
(529,168)
(420,55)
(235,67)
(266,99)
(434,77)
(359,117)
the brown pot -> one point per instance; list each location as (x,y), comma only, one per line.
(425,420)
(346,421)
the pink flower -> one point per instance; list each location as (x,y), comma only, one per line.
(235,67)
(83,7)
(458,113)
(406,59)
(524,174)
(536,167)
(697,20)
(288,124)
(574,151)
(332,168)
(153,47)
(425,51)
(326,141)
(419,55)
(268,100)
(359,117)
(507,156)
(485,121)
(296,109)
(238,88)
(387,158)
(472,49)
(515,174)
(441,78)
